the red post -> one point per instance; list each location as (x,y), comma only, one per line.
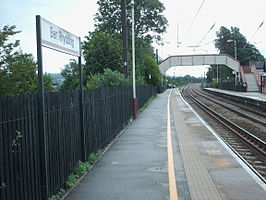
(135,103)
(261,84)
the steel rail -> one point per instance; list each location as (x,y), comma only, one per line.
(234,129)
(251,140)
(233,110)
(235,150)
(225,99)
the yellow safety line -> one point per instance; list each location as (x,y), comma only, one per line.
(171,166)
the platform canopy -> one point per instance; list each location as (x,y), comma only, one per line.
(202,59)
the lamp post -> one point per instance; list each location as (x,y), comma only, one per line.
(235,58)
(234,47)
(133,62)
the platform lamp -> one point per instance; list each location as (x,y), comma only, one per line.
(234,47)
(235,56)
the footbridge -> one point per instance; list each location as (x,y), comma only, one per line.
(202,59)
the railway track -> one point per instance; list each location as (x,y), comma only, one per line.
(246,113)
(249,111)
(249,147)
(242,105)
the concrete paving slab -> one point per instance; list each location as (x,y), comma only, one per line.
(135,167)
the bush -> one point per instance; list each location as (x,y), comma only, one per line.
(109,78)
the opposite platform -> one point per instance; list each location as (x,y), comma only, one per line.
(251,95)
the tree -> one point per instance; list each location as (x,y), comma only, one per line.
(181,81)
(152,72)
(7,49)
(245,51)
(148,17)
(71,75)
(17,69)
(18,75)
(145,62)
(225,74)
(102,50)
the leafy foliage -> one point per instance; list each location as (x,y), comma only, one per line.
(148,17)
(17,69)
(181,81)
(18,75)
(82,168)
(224,43)
(102,50)
(71,181)
(111,78)
(49,84)
(108,78)
(6,49)
(58,195)
(225,74)
(152,72)
(16,141)
(146,64)
(94,156)
(245,51)
(71,75)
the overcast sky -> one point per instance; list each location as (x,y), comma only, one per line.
(76,16)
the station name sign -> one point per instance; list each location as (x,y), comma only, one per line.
(54,37)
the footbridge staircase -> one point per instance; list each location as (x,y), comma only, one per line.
(251,78)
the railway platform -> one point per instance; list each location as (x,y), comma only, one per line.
(248,95)
(137,165)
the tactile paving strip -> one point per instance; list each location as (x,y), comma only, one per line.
(200,184)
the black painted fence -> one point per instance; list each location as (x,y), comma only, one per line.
(231,86)
(106,112)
